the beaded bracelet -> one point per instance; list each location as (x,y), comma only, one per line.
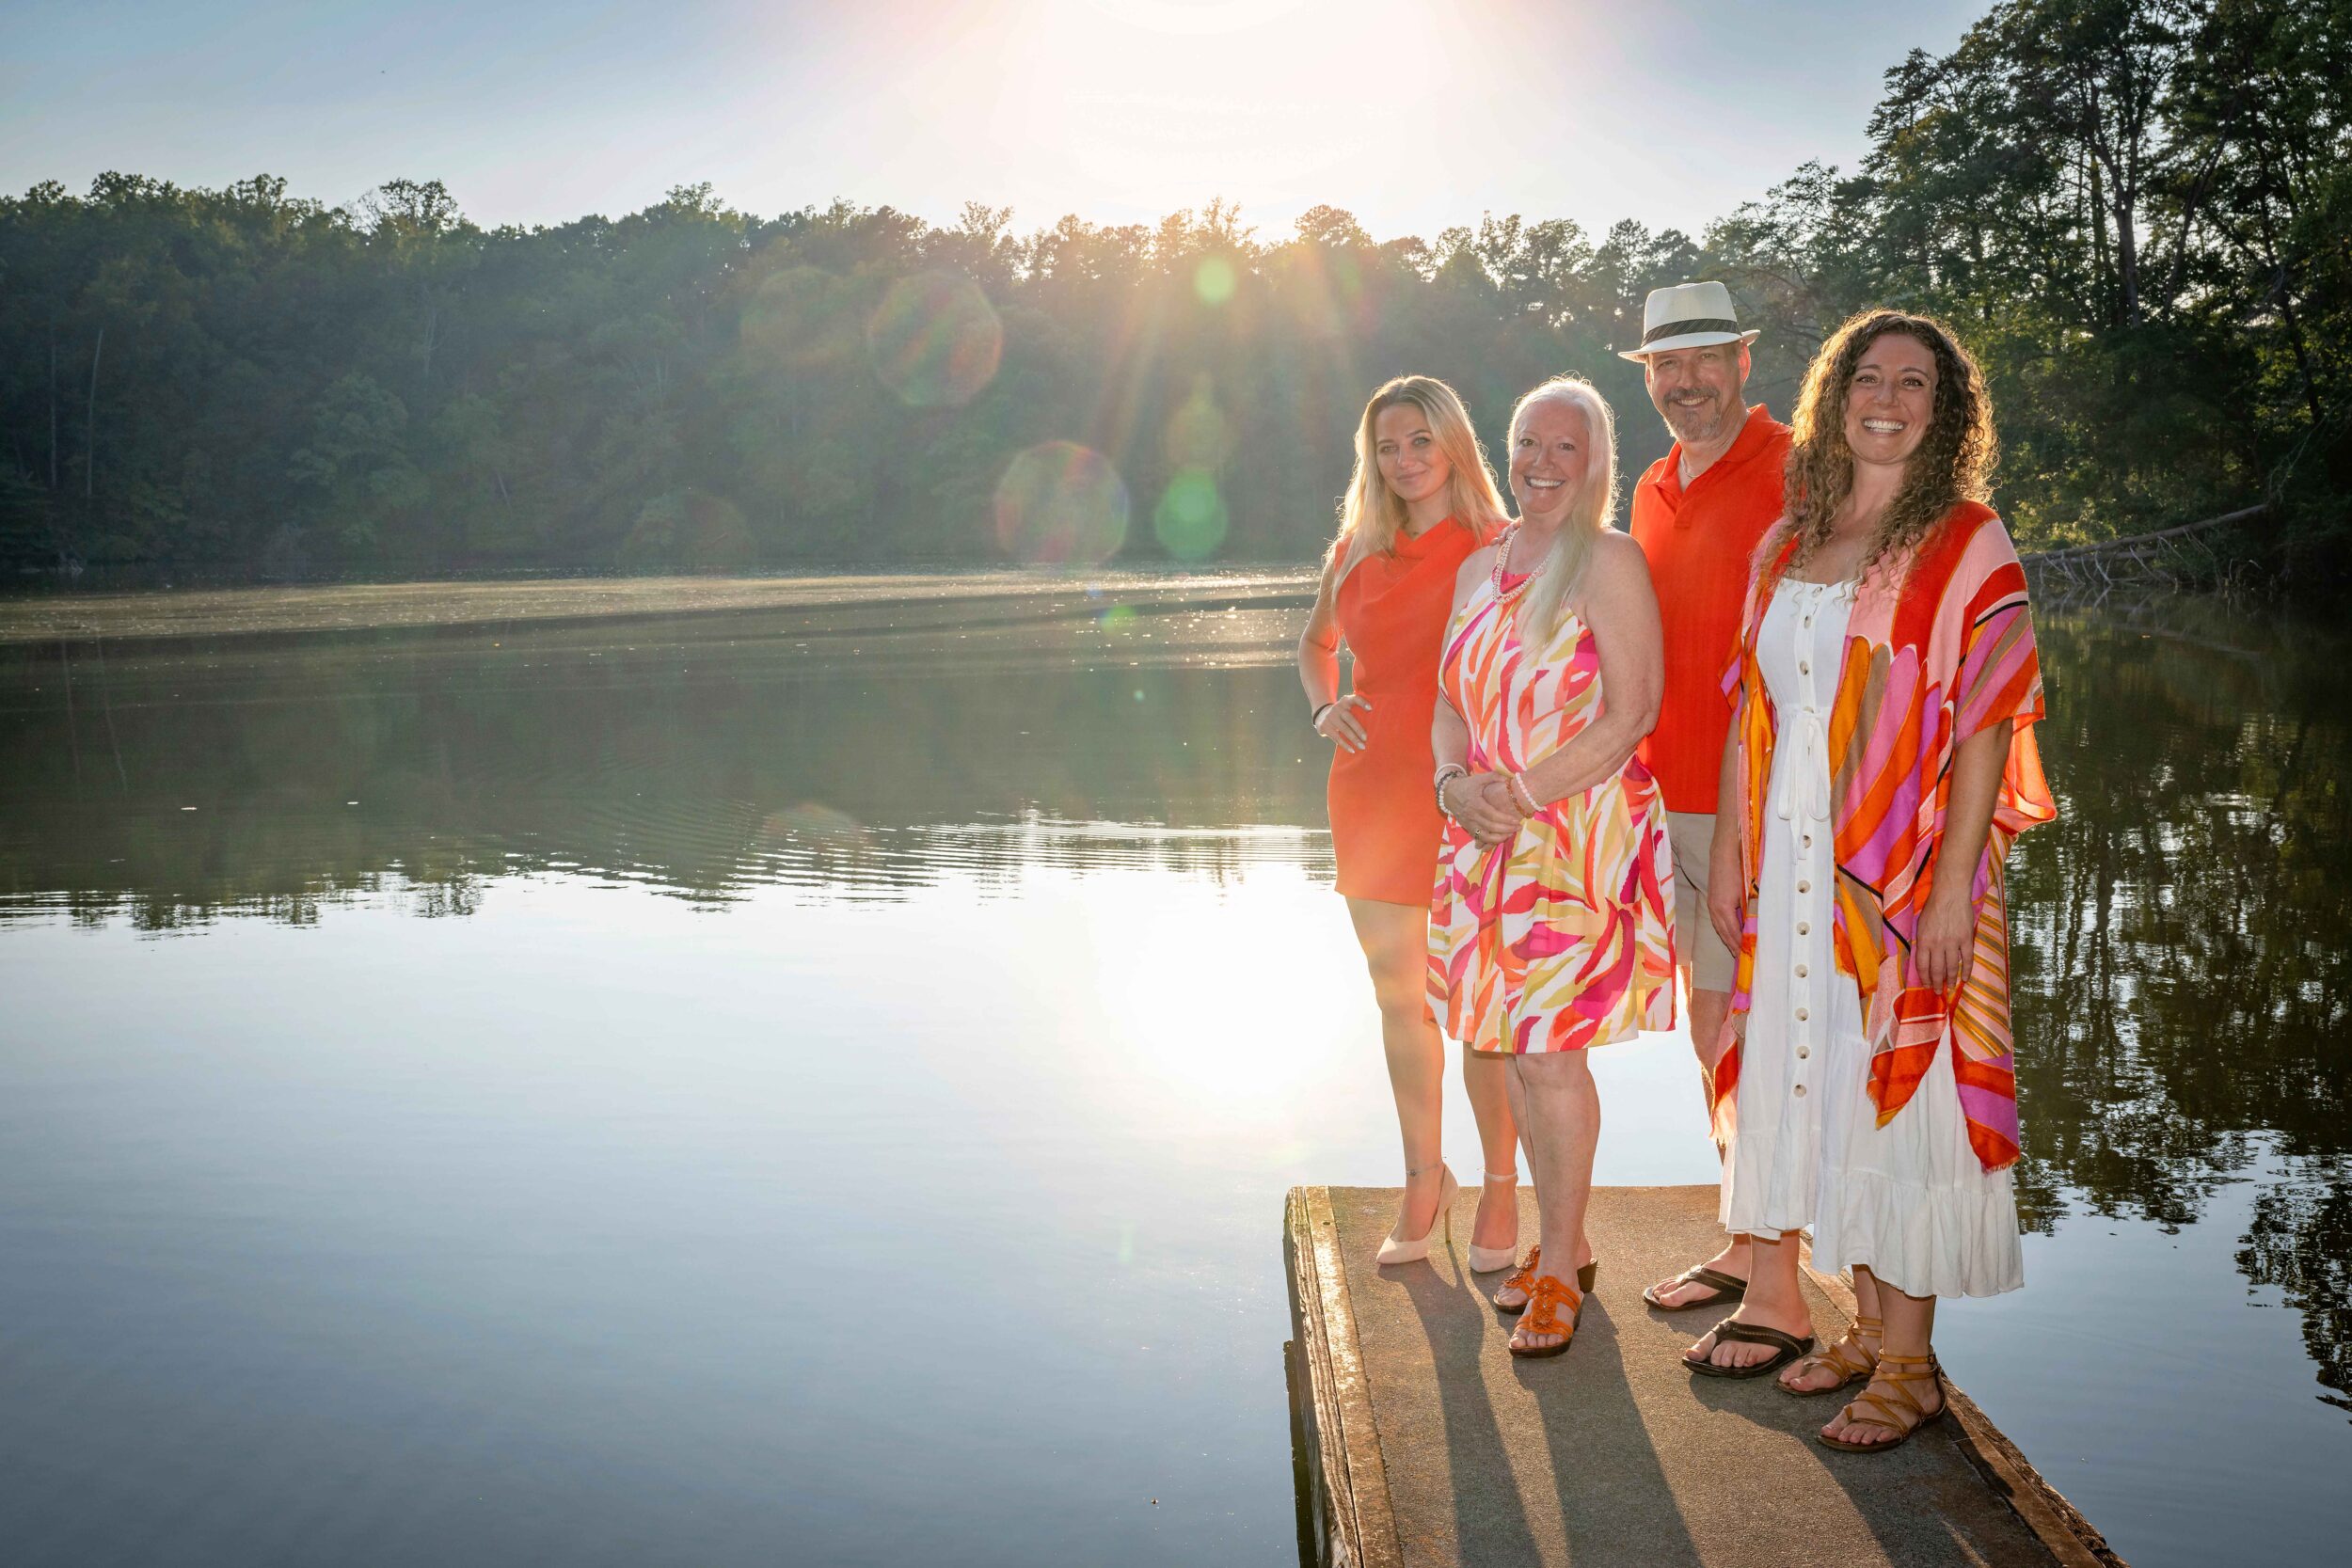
(1446,775)
(1523,796)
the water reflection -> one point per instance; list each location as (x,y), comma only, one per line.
(2185,942)
(1052,788)
(860,752)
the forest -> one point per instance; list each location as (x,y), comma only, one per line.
(2138,212)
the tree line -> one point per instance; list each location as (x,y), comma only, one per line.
(2138,213)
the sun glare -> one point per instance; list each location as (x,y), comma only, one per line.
(1160,103)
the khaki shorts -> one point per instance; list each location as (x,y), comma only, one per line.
(1704,957)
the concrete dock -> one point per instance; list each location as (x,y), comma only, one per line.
(1424,1444)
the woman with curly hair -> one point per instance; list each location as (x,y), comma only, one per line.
(1882,761)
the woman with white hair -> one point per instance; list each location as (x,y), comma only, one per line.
(1552,930)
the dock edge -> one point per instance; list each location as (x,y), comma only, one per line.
(1353,1524)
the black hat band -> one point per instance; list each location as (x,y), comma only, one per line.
(1702,323)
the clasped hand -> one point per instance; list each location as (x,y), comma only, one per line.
(1482,803)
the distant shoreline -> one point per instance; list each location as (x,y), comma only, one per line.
(185,612)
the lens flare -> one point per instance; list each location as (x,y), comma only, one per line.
(1195,436)
(1190,520)
(1060,503)
(802,317)
(1215,279)
(935,340)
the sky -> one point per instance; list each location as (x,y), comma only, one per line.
(1414,117)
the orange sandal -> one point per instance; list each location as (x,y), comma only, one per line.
(1849,1358)
(1541,1316)
(1524,1282)
(1889,1403)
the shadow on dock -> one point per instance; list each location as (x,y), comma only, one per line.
(1420,1441)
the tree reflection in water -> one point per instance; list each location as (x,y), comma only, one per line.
(2183,942)
(2183,933)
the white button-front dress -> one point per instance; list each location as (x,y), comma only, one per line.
(1909,1200)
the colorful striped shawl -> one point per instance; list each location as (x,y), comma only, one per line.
(1932,657)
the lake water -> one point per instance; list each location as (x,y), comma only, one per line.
(818,1083)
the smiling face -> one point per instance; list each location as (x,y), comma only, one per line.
(1411,462)
(1551,458)
(1697,390)
(1891,399)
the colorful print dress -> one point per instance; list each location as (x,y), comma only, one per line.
(1561,936)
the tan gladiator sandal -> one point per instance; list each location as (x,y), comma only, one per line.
(1890,1403)
(1849,1358)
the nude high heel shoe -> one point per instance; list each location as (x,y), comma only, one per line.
(1485,1259)
(1394,1251)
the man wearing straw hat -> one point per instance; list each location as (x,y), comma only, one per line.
(1698,514)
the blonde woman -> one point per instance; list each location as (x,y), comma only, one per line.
(1420,500)
(1553,928)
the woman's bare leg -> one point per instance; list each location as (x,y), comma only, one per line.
(1559,1110)
(1485,1074)
(1396,939)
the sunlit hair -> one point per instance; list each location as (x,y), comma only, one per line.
(1589,509)
(1371,514)
(1953,462)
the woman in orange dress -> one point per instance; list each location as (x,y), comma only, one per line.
(1423,499)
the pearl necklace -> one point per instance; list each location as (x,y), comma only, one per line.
(1502,556)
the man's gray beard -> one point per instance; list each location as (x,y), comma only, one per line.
(1692,437)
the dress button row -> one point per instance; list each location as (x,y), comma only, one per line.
(1805,928)
(1798,1091)
(1805,887)
(1801,972)
(1801,1015)
(1802,1052)
(1805,667)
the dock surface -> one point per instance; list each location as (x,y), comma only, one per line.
(1427,1444)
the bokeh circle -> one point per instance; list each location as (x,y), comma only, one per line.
(1059,504)
(935,340)
(1190,520)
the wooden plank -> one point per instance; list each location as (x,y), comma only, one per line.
(1349,1507)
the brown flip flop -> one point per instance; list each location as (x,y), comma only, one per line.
(1726,1288)
(1787,1347)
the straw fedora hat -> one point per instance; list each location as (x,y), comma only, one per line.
(1687,316)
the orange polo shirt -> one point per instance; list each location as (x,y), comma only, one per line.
(1698,542)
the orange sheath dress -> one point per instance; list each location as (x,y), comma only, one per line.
(1392,610)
